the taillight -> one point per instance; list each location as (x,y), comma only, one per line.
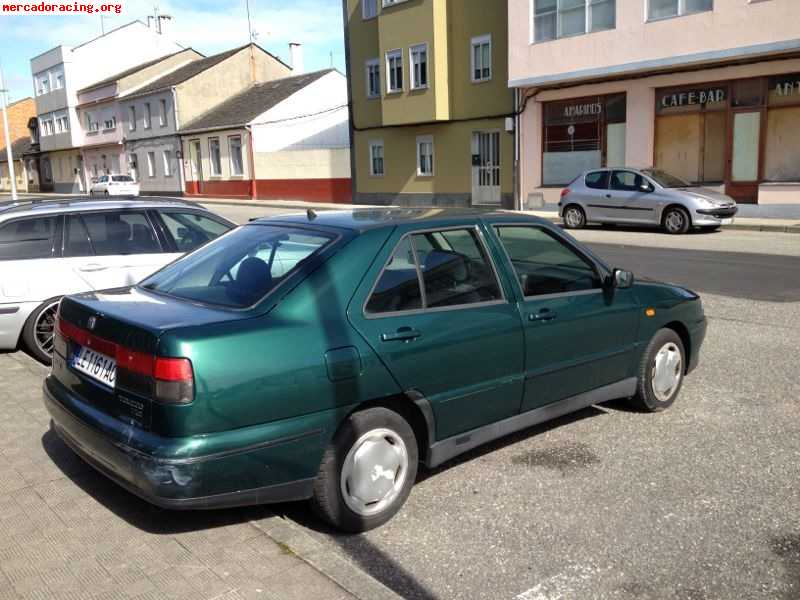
(565,192)
(59,338)
(174,380)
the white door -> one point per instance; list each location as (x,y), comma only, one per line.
(486,167)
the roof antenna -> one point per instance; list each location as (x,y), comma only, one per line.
(311,214)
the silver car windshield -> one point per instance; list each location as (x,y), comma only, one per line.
(664,179)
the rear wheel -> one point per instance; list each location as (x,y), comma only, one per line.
(37,334)
(574,217)
(367,471)
(677,220)
(660,372)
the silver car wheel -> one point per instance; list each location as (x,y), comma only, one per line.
(44,328)
(675,221)
(667,371)
(374,471)
(573,217)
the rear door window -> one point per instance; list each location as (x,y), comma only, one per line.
(28,238)
(128,232)
(191,230)
(597,180)
(76,238)
(398,286)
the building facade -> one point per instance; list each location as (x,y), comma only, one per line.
(430,105)
(282,139)
(153,115)
(708,90)
(59,73)
(19,116)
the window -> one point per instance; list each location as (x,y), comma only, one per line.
(162,113)
(451,265)
(554,19)
(110,123)
(482,58)
(235,151)
(59,81)
(76,242)
(373,68)
(132,115)
(664,9)
(239,273)
(44,84)
(151,164)
(214,156)
(369,9)
(425,156)
(91,124)
(62,123)
(148,117)
(167,154)
(597,180)
(192,230)
(28,238)
(394,70)
(398,286)
(628,181)
(115,233)
(376,158)
(545,264)
(418,56)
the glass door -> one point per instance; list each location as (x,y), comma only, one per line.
(486,167)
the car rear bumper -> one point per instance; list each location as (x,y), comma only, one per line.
(158,469)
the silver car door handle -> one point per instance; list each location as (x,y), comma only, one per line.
(92,268)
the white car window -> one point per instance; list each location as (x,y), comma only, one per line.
(28,238)
(121,233)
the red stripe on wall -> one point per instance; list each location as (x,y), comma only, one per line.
(311,190)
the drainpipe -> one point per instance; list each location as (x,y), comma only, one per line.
(181,170)
(252,163)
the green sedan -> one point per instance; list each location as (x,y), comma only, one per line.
(324,356)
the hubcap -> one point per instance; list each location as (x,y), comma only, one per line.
(674,221)
(45,327)
(574,217)
(374,472)
(667,371)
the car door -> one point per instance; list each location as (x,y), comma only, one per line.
(115,248)
(631,194)
(579,336)
(435,312)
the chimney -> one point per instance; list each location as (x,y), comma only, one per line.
(296,57)
(162,24)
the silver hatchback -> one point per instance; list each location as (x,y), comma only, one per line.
(642,197)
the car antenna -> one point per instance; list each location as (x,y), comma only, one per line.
(311,214)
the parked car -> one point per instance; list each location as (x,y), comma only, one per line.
(49,248)
(114,185)
(643,197)
(324,356)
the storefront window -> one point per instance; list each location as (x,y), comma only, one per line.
(782,144)
(582,134)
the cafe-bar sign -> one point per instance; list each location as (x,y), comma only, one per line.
(693,97)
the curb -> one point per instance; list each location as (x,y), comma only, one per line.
(293,539)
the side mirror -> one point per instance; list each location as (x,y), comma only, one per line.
(622,279)
(646,187)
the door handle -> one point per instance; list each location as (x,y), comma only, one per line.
(404,334)
(92,268)
(608,195)
(543,315)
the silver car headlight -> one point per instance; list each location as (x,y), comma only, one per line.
(705,203)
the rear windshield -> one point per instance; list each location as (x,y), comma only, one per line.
(240,268)
(126,178)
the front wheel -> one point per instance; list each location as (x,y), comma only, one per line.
(574,217)
(660,372)
(367,471)
(39,329)
(677,220)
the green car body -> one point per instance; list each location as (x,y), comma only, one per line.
(275,381)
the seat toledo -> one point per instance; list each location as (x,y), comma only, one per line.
(324,356)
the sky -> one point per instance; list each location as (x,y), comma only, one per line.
(205,25)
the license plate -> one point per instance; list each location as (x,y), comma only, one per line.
(95,365)
(727,221)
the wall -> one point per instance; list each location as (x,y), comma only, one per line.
(160,182)
(19,113)
(224,184)
(640,127)
(63,165)
(732,24)
(19,171)
(100,113)
(218,83)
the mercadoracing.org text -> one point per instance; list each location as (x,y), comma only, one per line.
(67,8)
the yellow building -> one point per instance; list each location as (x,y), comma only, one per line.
(431,108)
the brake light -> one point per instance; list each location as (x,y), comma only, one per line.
(565,192)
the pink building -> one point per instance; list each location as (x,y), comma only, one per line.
(706,89)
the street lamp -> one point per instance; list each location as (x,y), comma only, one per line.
(9,153)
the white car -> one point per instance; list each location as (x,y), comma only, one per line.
(52,248)
(114,185)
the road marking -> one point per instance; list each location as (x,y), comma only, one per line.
(561,586)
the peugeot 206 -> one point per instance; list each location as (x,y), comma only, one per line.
(325,356)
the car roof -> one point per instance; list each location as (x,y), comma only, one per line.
(364,219)
(45,206)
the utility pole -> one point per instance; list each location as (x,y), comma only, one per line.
(9,152)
